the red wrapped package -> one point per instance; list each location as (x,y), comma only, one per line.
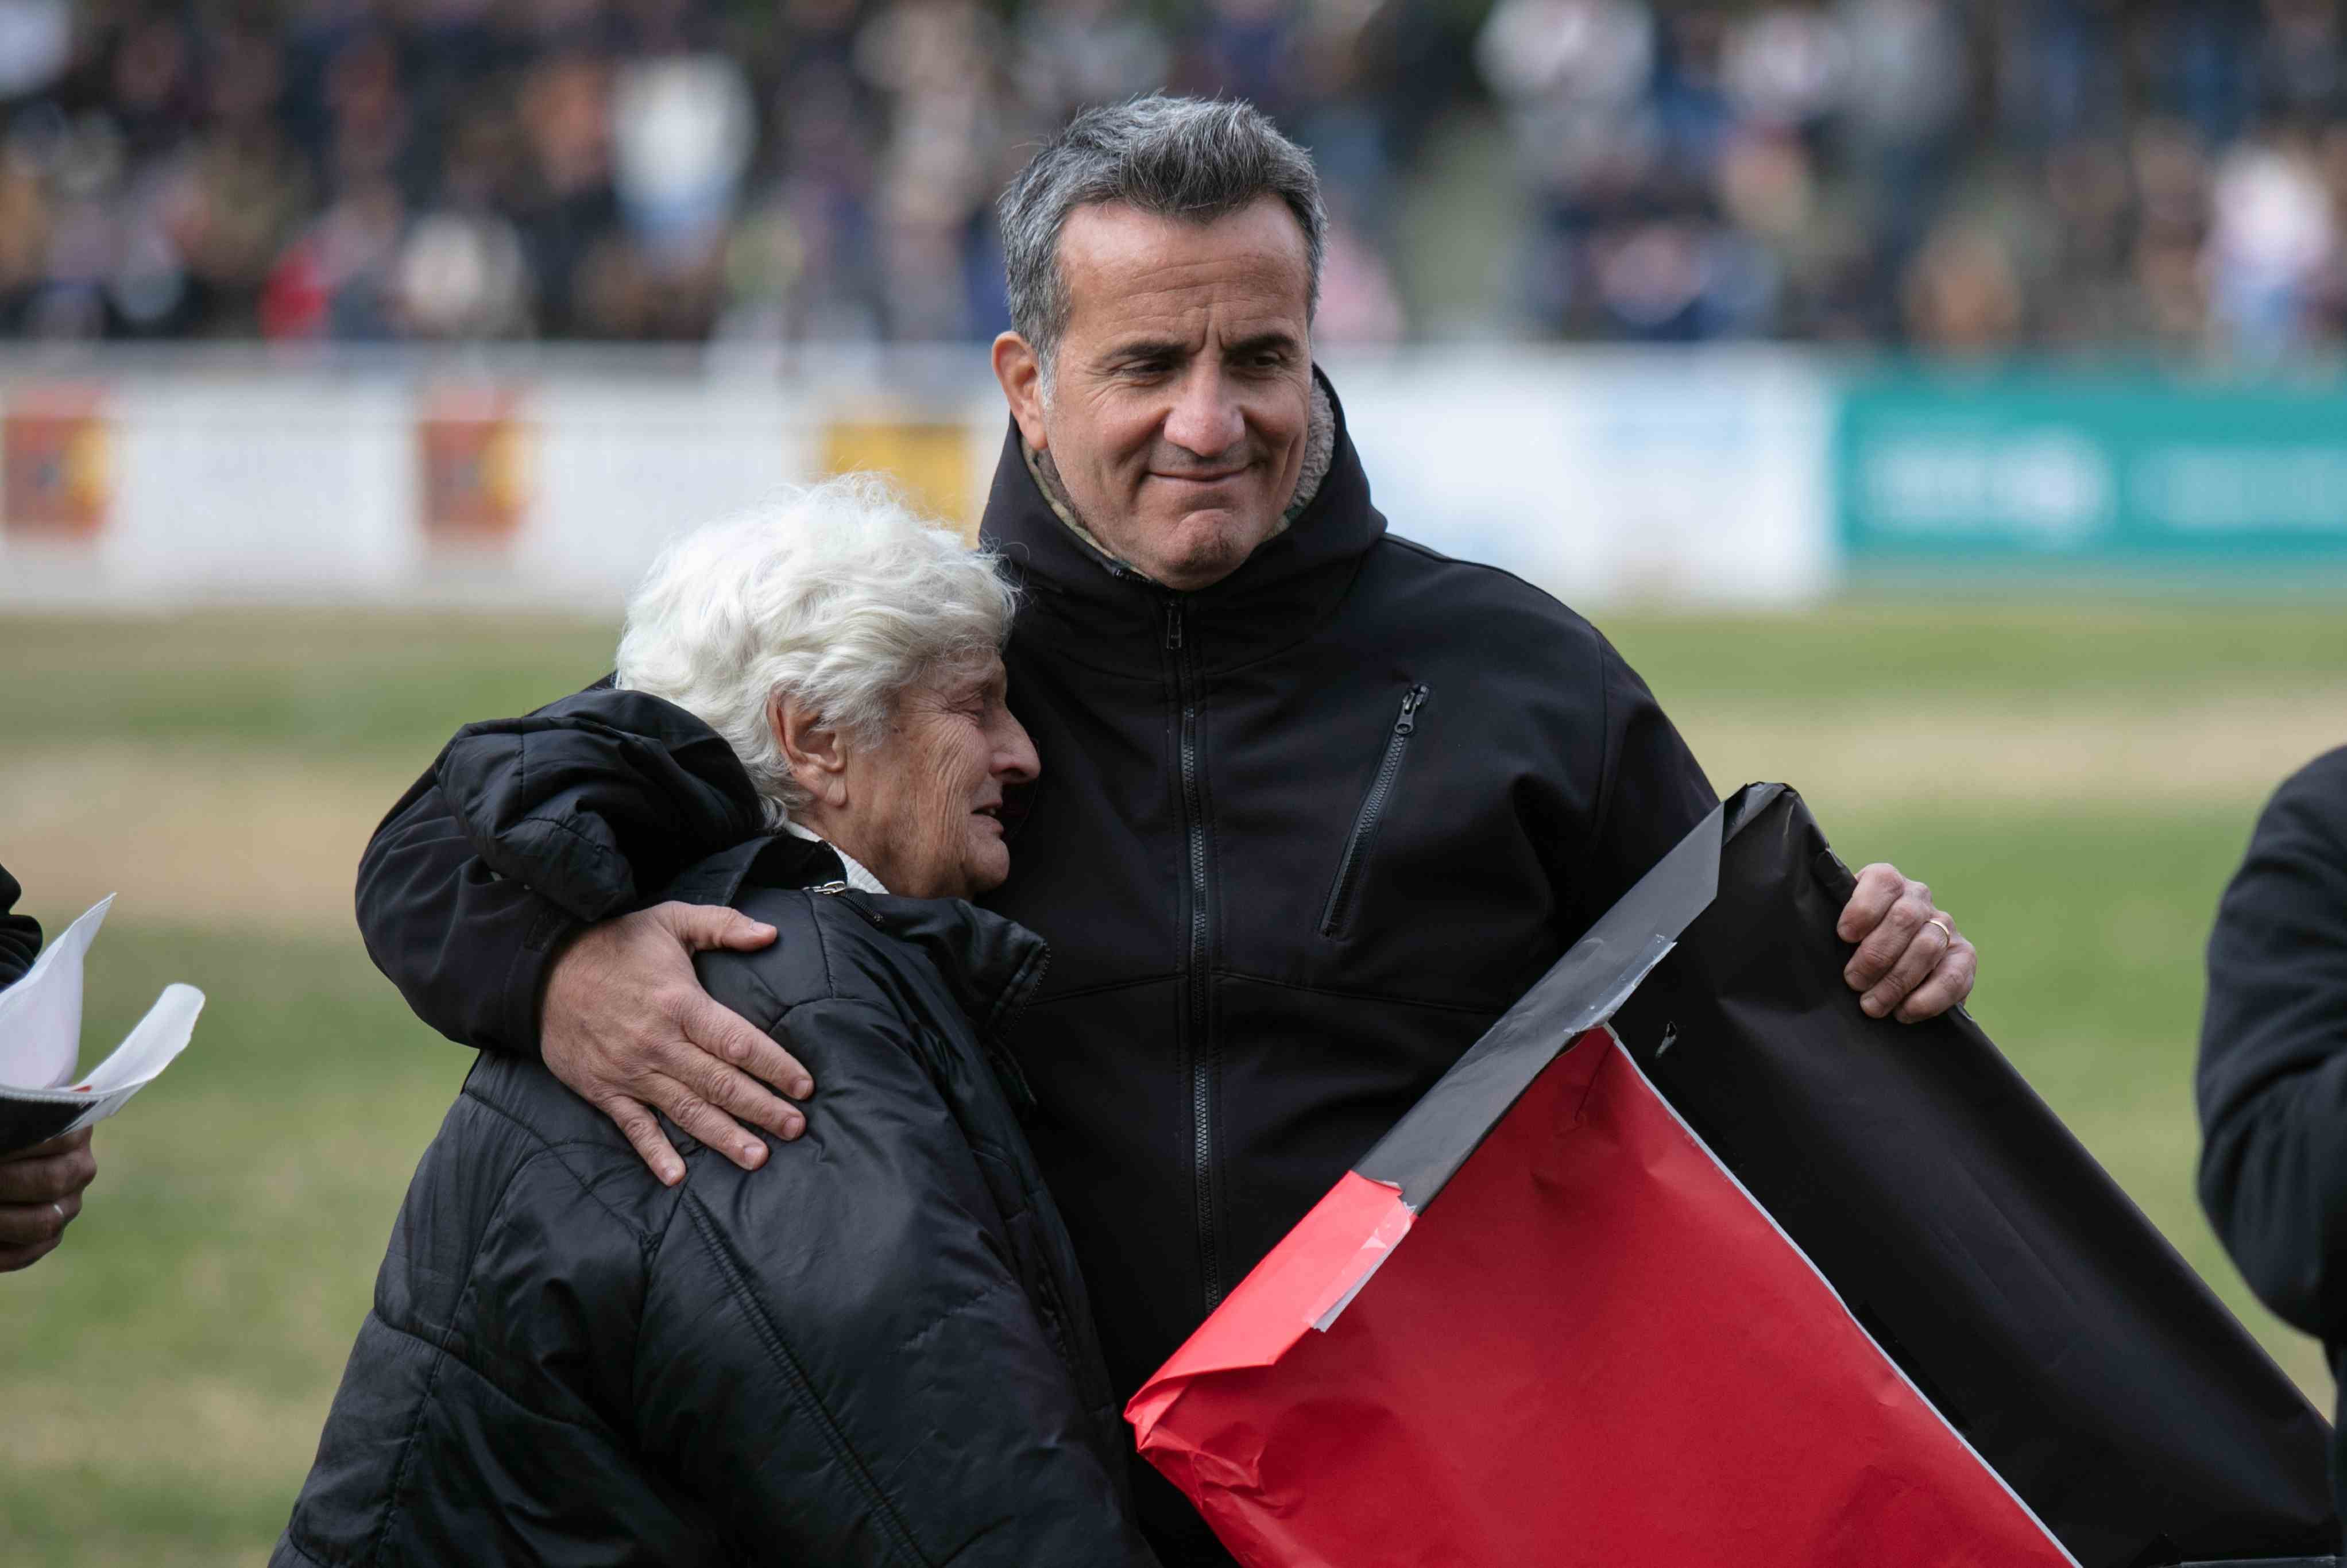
(1653,1373)
(1546,1320)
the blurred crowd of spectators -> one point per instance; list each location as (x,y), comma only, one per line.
(2096,175)
(2064,175)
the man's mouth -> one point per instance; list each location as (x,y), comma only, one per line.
(1215,478)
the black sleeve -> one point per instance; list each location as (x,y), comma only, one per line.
(20,935)
(2272,1082)
(467,948)
(1651,793)
(526,830)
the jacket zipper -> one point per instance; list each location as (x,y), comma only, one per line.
(1373,806)
(1194,993)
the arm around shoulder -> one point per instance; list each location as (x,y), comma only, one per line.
(469,941)
(468,949)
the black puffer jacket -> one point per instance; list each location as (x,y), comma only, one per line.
(876,1350)
(1300,836)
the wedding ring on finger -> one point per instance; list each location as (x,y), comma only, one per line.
(1947,932)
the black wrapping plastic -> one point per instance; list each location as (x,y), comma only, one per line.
(1970,1233)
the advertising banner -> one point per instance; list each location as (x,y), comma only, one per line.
(57,463)
(1740,478)
(475,476)
(2097,469)
(931,462)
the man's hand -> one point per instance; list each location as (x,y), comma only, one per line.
(40,1193)
(1911,964)
(627,1026)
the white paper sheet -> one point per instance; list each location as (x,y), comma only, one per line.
(42,1090)
(40,1015)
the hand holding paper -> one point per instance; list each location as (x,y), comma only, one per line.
(40,1194)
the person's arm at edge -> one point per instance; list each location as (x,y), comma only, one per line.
(2272,1079)
(40,1187)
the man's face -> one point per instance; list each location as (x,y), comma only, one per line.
(1183,384)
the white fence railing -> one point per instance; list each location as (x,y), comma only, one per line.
(553,478)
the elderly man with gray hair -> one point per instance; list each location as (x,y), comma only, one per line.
(1319,803)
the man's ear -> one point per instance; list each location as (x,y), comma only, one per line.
(813,749)
(1022,375)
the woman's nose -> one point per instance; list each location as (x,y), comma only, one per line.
(1015,762)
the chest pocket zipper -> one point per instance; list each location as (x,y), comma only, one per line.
(1349,870)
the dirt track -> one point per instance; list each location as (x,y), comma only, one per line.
(2198,752)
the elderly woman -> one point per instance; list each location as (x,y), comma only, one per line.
(874,1349)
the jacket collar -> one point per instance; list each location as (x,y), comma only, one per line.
(991,964)
(770,860)
(1094,611)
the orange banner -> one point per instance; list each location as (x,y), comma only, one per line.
(476,468)
(930,463)
(56,466)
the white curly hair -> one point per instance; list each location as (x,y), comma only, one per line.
(838,594)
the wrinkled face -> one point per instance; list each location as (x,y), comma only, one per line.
(923,807)
(1183,384)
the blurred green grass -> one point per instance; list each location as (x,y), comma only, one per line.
(310,680)
(379,681)
(169,1369)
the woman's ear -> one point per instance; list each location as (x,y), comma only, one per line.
(814,749)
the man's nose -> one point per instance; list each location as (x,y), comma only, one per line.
(1206,419)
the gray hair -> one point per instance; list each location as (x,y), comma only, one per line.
(1192,159)
(837,595)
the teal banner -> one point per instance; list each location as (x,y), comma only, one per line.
(1931,468)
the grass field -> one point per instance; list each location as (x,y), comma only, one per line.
(2076,785)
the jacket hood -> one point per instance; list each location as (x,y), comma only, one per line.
(1101,612)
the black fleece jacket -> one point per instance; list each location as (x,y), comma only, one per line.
(2273,1059)
(1300,836)
(20,935)
(874,1350)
